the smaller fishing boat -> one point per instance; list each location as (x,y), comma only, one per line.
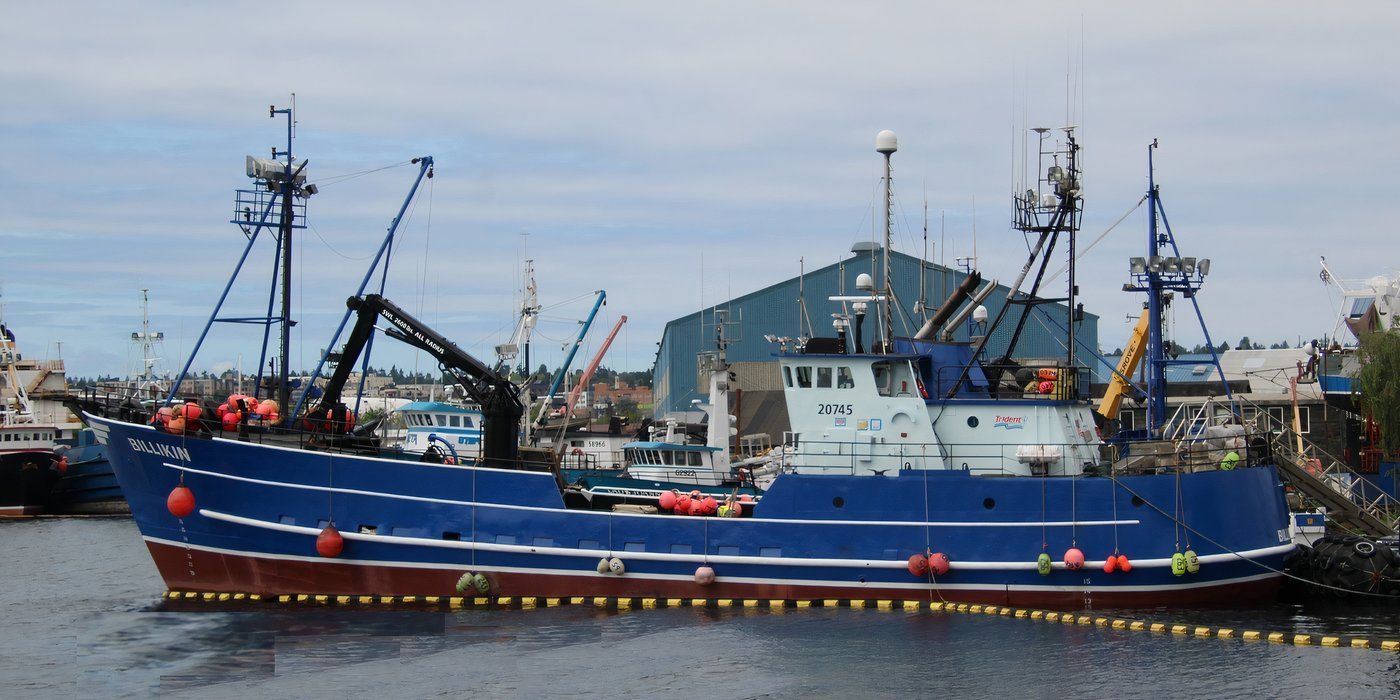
(442,431)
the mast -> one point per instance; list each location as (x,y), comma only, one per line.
(1163,274)
(886,144)
(284,236)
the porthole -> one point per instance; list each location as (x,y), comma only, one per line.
(838,501)
(972,421)
(989,503)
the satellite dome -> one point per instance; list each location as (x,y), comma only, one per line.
(979,314)
(865,282)
(885,142)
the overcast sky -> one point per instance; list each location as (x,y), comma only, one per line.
(671,156)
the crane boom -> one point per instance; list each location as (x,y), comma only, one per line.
(494,392)
(592,367)
(1118,384)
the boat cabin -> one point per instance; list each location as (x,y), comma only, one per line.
(930,406)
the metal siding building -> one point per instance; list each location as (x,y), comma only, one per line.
(774,310)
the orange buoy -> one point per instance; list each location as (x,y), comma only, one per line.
(62,464)
(938,563)
(180,502)
(193,411)
(667,501)
(710,505)
(704,575)
(745,498)
(1074,559)
(1110,564)
(697,506)
(682,505)
(1123,564)
(918,565)
(329,543)
(176,426)
(230,421)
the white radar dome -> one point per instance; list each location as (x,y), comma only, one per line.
(885,142)
(865,282)
(979,314)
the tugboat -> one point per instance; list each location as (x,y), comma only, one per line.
(921,472)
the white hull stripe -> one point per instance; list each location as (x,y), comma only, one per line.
(96,421)
(790,521)
(727,579)
(701,558)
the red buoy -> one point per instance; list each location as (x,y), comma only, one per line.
(1074,559)
(193,411)
(918,565)
(697,506)
(62,465)
(704,576)
(230,421)
(329,543)
(667,500)
(710,505)
(1110,564)
(180,502)
(682,506)
(938,563)
(1123,564)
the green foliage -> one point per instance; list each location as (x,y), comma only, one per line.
(1379,384)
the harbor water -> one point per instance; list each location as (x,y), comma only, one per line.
(83,617)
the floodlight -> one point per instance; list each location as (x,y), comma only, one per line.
(1137,266)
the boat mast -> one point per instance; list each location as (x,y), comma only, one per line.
(284,236)
(886,144)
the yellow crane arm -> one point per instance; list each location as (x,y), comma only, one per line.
(1118,384)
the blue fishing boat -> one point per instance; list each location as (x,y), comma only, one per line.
(917,470)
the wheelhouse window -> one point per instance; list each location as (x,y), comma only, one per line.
(695,459)
(456,421)
(844,378)
(883,377)
(823,377)
(441,420)
(787,377)
(804,377)
(668,458)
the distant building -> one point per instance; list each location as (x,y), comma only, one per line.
(777,310)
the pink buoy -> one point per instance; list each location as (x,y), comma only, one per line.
(918,565)
(329,543)
(1074,559)
(938,563)
(1123,564)
(180,502)
(704,576)
(667,501)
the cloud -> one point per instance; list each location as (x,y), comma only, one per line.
(631,140)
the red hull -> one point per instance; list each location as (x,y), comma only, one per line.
(199,570)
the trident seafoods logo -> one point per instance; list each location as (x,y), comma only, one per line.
(1009,422)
